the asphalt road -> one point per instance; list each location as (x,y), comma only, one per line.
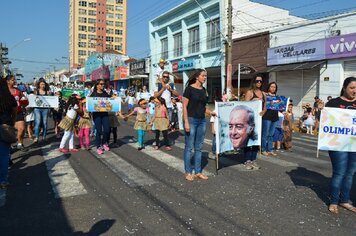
(131,192)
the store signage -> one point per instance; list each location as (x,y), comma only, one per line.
(121,73)
(137,67)
(330,48)
(183,65)
(341,46)
(294,53)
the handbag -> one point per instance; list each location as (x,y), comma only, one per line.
(8,133)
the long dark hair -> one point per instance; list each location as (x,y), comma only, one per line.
(71,102)
(7,101)
(193,77)
(96,84)
(40,81)
(253,83)
(269,85)
(347,81)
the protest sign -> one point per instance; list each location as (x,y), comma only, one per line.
(67,92)
(237,125)
(99,104)
(42,101)
(337,131)
(278,103)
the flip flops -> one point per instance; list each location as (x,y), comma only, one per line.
(348,207)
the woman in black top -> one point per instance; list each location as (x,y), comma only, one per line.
(8,107)
(343,163)
(269,123)
(101,120)
(194,108)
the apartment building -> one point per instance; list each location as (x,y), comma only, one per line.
(96,26)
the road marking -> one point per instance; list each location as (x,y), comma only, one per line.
(64,180)
(163,157)
(127,172)
(2,197)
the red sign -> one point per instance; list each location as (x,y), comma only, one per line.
(175,66)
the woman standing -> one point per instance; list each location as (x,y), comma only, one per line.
(101,120)
(194,109)
(343,163)
(8,107)
(21,101)
(254,94)
(269,123)
(41,114)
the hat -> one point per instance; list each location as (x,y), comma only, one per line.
(162,61)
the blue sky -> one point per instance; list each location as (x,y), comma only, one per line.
(46,23)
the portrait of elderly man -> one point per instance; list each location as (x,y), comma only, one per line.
(242,127)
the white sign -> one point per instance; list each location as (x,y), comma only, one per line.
(42,101)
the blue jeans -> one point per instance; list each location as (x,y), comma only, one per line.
(194,138)
(4,161)
(344,168)
(102,127)
(268,128)
(140,137)
(41,116)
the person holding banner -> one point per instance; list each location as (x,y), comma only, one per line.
(343,163)
(194,109)
(41,114)
(101,120)
(255,93)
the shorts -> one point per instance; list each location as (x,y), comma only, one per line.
(278,135)
(20,116)
(57,116)
(130,106)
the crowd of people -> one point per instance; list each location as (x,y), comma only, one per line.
(166,111)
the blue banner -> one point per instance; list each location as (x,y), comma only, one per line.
(97,104)
(278,103)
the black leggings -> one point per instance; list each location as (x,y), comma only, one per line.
(114,131)
(165,137)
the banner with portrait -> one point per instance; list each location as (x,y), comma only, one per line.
(42,101)
(278,103)
(237,124)
(337,130)
(99,104)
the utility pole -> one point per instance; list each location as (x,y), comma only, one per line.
(229,51)
(3,59)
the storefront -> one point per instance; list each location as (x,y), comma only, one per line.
(139,71)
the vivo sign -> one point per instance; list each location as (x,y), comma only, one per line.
(330,48)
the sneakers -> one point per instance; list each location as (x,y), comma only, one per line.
(251,165)
(168,148)
(82,147)
(20,146)
(100,150)
(106,147)
(63,150)
(35,140)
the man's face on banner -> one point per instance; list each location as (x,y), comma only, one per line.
(239,128)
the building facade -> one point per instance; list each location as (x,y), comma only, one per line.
(188,37)
(96,26)
(313,58)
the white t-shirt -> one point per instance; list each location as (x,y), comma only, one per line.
(159,72)
(72,112)
(167,96)
(130,100)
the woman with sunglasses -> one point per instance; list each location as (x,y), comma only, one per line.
(101,120)
(254,94)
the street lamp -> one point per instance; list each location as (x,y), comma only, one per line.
(22,41)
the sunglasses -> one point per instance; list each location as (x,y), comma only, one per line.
(166,77)
(258,81)
(101,83)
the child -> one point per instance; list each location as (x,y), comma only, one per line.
(130,100)
(58,113)
(309,122)
(278,132)
(141,124)
(174,118)
(161,122)
(67,124)
(84,126)
(288,128)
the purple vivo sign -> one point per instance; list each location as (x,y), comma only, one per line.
(340,46)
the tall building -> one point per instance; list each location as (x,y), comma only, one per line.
(96,26)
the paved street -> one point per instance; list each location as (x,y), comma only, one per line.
(131,192)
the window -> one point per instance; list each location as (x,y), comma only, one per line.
(119,16)
(109,39)
(82,20)
(81,61)
(82,52)
(119,8)
(91,20)
(119,24)
(91,36)
(82,28)
(92,4)
(92,29)
(164,48)
(193,46)
(178,47)
(109,1)
(119,1)
(213,36)
(82,36)
(118,32)
(118,47)
(82,12)
(109,8)
(82,3)
(110,15)
(110,23)
(82,44)
(109,31)
(118,40)
(92,13)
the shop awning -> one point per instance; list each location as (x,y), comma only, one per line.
(297,66)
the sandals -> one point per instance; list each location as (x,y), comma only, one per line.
(333,208)
(189,177)
(348,207)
